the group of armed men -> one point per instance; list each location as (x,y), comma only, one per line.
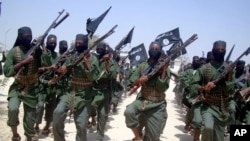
(47,82)
(211,109)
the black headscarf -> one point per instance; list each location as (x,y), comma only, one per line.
(102,49)
(21,40)
(155,54)
(239,70)
(63,46)
(219,55)
(49,46)
(196,62)
(80,48)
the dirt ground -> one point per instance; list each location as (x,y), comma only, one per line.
(116,129)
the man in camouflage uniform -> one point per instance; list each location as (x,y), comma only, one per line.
(149,108)
(188,95)
(63,46)
(117,88)
(47,96)
(215,115)
(102,87)
(236,105)
(25,87)
(80,97)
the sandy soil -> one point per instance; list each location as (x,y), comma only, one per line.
(116,129)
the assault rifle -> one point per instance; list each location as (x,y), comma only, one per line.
(230,67)
(239,80)
(61,59)
(37,43)
(80,57)
(162,63)
(223,71)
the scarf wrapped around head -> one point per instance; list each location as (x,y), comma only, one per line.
(51,46)
(219,55)
(155,54)
(63,46)
(21,39)
(80,48)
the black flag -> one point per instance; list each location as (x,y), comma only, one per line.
(92,24)
(172,36)
(137,55)
(125,40)
(174,47)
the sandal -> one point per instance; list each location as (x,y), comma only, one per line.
(46,131)
(35,137)
(18,138)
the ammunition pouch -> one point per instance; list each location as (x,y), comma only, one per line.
(27,80)
(150,94)
(218,100)
(80,83)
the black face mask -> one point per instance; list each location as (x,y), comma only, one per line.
(26,43)
(51,47)
(154,54)
(218,56)
(62,50)
(239,71)
(81,48)
(101,52)
(196,65)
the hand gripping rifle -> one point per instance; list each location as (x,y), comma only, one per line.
(223,71)
(37,43)
(230,67)
(160,64)
(74,63)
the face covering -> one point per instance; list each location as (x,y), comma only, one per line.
(154,54)
(81,48)
(51,47)
(24,37)
(218,56)
(195,64)
(62,50)
(26,42)
(63,46)
(101,52)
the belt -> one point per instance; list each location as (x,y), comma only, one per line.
(152,94)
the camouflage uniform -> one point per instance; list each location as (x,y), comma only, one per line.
(149,108)
(102,89)
(77,101)
(214,112)
(24,89)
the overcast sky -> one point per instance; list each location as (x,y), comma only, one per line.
(212,20)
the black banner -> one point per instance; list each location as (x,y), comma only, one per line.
(170,37)
(137,55)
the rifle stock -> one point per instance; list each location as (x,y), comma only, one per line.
(37,43)
(70,66)
(160,64)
